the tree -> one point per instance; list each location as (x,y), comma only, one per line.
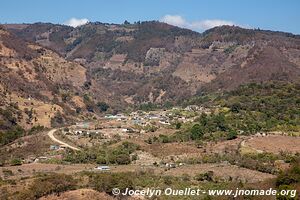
(103,107)
(101,159)
(196,132)
(78,110)
(57,120)
(178,125)
(203,119)
(11,135)
(126,22)
(220,122)
(236,107)
(123,159)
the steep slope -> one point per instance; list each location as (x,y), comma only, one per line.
(268,64)
(36,85)
(156,62)
(46,34)
(273,56)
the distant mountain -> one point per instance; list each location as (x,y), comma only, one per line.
(129,64)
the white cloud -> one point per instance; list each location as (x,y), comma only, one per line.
(76,22)
(175,20)
(207,24)
(200,25)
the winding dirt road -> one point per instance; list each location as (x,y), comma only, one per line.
(51,135)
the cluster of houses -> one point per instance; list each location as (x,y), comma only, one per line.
(118,117)
(140,118)
(164,117)
(84,129)
(125,124)
(144,119)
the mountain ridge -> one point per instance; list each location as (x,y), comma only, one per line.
(128,64)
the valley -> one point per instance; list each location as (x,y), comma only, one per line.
(87,109)
(146,142)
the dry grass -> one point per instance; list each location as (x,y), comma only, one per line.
(275,144)
(32,145)
(28,170)
(170,149)
(42,112)
(80,194)
(222,171)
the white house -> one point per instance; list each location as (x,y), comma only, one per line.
(103,168)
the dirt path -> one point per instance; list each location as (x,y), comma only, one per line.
(51,135)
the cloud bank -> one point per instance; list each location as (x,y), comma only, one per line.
(200,25)
(76,22)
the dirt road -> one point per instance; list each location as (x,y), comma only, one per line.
(51,135)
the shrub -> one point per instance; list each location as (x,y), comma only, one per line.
(207,176)
(164,139)
(236,107)
(292,176)
(36,129)
(123,159)
(196,132)
(105,182)
(7,172)
(11,135)
(178,125)
(103,107)
(57,120)
(232,135)
(48,184)
(15,162)
(103,155)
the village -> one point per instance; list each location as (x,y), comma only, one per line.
(123,126)
(137,127)
(203,160)
(140,128)
(111,128)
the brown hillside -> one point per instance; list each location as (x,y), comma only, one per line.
(156,62)
(35,80)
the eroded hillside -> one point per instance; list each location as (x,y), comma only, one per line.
(37,86)
(156,62)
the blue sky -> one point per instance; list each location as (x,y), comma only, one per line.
(194,14)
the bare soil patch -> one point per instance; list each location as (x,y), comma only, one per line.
(169,149)
(275,144)
(222,171)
